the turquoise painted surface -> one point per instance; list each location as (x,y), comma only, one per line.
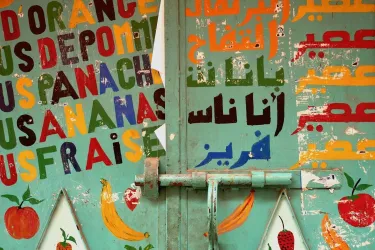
(204,74)
(186,217)
(133,136)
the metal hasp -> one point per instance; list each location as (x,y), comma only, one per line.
(151,181)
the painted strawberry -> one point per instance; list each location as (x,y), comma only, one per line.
(64,245)
(132,196)
(285,238)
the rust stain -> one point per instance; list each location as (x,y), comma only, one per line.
(177,184)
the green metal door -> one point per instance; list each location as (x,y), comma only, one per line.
(255,88)
(269,111)
(79,105)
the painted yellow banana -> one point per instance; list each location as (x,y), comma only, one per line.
(334,241)
(113,221)
(238,217)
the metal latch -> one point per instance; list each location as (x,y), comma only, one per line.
(151,181)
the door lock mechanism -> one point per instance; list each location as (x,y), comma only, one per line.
(151,181)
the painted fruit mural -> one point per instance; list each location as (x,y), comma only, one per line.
(285,238)
(148,247)
(358,210)
(330,235)
(238,217)
(22,222)
(132,196)
(113,221)
(65,245)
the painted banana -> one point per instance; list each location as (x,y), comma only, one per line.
(113,221)
(333,239)
(238,217)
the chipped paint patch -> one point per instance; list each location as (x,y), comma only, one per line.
(172,136)
(352,131)
(111,197)
(307,212)
(327,181)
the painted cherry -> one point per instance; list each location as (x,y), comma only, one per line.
(22,222)
(285,238)
(358,210)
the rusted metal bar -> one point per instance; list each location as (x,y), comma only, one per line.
(212,214)
(200,179)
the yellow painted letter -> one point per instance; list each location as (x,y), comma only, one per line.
(126,31)
(77,119)
(137,154)
(20,85)
(22,159)
(77,17)
(143,9)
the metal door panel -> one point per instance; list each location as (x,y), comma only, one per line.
(83,185)
(187,149)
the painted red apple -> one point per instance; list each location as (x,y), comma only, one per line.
(21,222)
(358,210)
(132,196)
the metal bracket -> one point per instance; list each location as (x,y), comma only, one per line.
(151,178)
(297,179)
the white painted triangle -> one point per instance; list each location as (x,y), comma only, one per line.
(161,134)
(158,53)
(62,216)
(284,209)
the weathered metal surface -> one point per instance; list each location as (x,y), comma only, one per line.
(150,180)
(213,186)
(259,179)
(295,179)
(279,86)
